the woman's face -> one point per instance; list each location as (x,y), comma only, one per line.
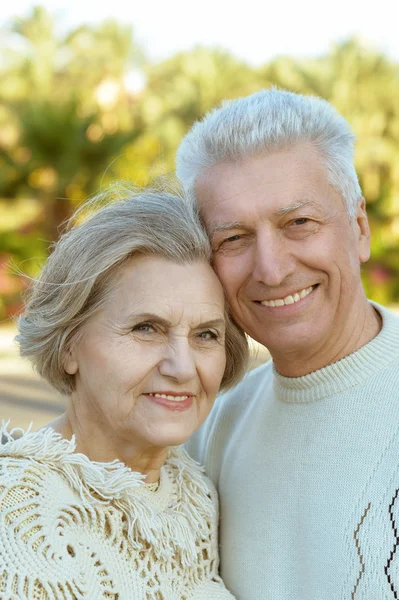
(150,363)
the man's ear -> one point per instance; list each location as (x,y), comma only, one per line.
(363,231)
(70,362)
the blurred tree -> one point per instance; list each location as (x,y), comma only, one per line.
(81,108)
(65,114)
(180,90)
(68,155)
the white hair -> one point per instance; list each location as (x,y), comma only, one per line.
(270,121)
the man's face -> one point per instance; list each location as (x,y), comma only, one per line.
(286,251)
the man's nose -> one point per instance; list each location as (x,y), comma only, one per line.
(273,261)
(178,361)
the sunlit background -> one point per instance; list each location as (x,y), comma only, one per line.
(94,92)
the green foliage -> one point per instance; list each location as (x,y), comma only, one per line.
(73,117)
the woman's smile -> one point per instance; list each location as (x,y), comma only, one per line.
(171,400)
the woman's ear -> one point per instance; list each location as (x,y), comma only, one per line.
(70,362)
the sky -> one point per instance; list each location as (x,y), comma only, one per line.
(253,30)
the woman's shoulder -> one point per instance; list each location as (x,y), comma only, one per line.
(32,494)
(28,466)
(47,453)
(56,515)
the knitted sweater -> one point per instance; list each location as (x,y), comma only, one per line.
(73,529)
(307,471)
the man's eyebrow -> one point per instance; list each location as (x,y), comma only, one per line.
(287,209)
(279,213)
(225,227)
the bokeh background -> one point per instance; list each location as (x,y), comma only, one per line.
(91,94)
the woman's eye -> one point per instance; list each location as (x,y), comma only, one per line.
(209,334)
(144,327)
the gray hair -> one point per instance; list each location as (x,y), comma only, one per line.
(76,277)
(270,121)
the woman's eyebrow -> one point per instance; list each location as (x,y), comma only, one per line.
(212,323)
(146,316)
(157,319)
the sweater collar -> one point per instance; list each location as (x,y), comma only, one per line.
(348,372)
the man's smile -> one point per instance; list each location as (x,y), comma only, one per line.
(290,299)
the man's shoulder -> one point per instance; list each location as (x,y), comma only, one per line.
(254,382)
(386,343)
(389,315)
(227,412)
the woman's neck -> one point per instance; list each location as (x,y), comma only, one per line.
(101,445)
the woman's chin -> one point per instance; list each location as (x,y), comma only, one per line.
(170,439)
(165,430)
(168,436)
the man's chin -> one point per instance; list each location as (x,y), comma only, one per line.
(290,341)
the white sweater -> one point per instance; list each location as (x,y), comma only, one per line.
(307,471)
(73,529)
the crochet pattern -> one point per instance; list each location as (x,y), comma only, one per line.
(73,529)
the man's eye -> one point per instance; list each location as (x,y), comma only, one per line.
(301,221)
(233,244)
(231,239)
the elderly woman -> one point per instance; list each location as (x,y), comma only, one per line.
(129,320)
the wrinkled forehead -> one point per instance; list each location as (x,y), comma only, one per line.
(274,182)
(151,284)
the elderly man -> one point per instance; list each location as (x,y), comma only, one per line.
(305,451)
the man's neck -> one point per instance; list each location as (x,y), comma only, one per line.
(365,325)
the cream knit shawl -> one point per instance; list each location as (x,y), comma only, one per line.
(71,528)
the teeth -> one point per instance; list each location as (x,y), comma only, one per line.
(289,299)
(167,397)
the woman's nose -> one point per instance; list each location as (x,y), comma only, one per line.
(178,361)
